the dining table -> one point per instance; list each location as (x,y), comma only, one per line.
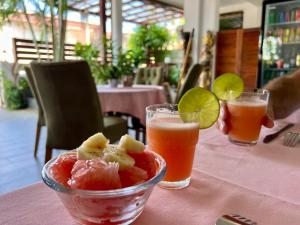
(130,100)
(259,182)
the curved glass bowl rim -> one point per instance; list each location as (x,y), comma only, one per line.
(175,112)
(48,180)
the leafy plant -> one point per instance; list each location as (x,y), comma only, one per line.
(173,73)
(13,97)
(150,41)
(123,63)
(57,25)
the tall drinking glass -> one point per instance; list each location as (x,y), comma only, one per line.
(246,115)
(174,136)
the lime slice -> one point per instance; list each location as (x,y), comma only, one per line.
(228,86)
(203,101)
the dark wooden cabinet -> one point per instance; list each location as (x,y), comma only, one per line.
(237,51)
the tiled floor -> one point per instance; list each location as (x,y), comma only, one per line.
(18,167)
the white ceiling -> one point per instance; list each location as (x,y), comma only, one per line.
(179,3)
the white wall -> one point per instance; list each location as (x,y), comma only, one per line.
(252,13)
(202,16)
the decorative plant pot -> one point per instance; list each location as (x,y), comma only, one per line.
(128,81)
(113,83)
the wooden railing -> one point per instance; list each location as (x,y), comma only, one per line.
(25,51)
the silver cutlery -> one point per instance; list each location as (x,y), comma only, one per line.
(271,137)
(234,219)
(291,139)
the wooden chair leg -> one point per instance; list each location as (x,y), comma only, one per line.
(37,138)
(48,154)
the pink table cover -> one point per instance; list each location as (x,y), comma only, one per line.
(259,182)
(132,100)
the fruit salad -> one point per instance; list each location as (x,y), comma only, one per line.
(98,165)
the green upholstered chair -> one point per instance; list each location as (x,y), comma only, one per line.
(71,105)
(41,119)
(190,80)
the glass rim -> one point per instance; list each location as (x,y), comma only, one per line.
(153,108)
(258,91)
(49,181)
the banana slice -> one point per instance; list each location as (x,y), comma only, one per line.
(113,153)
(130,144)
(96,141)
(86,153)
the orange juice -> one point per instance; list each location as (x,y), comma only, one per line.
(175,141)
(246,120)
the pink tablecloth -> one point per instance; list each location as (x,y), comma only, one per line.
(259,182)
(131,100)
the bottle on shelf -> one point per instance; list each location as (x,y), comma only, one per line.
(272,17)
(293,60)
(287,17)
(281,16)
(292,35)
(286,34)
(297,14)
(297,37)
(298,60)
(292,15)
(286,61)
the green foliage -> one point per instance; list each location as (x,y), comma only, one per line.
(88,52)
(57,9)
(7,8)
(150,40)
(173,77)
(124,62)
(13,97)
(23,83)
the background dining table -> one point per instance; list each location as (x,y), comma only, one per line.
(132,100)
(260,182)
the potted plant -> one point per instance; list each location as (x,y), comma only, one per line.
(110,73)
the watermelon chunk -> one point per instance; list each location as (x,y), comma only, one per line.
(95,174)
(62,167)
(145,160)
(132,176)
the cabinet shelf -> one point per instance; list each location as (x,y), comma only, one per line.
(292,43)
(280,69)
(284,24)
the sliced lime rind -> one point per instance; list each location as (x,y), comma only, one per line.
(203,101)
(228,86)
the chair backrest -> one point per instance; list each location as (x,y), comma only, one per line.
(190,80)
(41,118)
(139,76)
(69,100)
(149,75)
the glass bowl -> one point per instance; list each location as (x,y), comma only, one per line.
(119,206)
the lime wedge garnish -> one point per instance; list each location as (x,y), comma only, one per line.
(203,101)
(228,86)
